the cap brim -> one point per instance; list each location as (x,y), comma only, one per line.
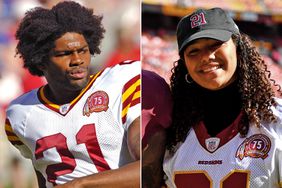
(221,35)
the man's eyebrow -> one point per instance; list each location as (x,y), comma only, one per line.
(69,51)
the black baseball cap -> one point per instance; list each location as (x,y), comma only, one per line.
(213,23)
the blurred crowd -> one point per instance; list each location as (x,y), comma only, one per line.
(258,6)
(121,19)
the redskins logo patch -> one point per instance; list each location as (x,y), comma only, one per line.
(96,102)
(256,146)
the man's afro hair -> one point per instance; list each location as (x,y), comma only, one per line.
(40,28)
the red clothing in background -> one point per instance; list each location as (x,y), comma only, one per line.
(156,104)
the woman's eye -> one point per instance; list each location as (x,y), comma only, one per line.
(216,45)
(193,52)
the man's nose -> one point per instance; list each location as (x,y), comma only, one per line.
(76,59)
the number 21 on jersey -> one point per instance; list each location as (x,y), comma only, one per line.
(86,135)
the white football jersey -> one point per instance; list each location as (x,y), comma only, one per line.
(86,136)
(228,160)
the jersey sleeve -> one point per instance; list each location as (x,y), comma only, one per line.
(16,141)
(131,93)
(15,123)
(277,111)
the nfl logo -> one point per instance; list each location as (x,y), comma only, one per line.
(212,144)
(64,108)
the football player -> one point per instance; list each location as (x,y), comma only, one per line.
(226,130)
(79,130)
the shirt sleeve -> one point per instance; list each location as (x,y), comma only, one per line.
(16,141)
(131,95)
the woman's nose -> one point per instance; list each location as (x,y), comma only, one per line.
(208,55)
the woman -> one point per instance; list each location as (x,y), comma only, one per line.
(226,130)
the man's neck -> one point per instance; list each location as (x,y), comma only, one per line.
(60,97)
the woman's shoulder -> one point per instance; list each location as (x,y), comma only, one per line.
(277,110)
(275,127)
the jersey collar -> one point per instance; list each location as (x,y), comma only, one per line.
(225,135)
(65,108)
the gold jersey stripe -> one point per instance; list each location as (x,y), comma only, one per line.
(13,138)
(46,100)
(125,109)
(137,95)
(8,127)
(130,90)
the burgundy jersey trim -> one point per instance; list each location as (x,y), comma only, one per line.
(127,62)
(226,135)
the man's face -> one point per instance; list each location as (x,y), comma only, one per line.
(68,68)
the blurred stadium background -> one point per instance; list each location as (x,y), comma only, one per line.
(121,19)
(260,19)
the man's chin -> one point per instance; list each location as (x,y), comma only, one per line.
(79,84)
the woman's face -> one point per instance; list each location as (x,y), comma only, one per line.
(211,63)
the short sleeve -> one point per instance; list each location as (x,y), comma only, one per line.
(16,141)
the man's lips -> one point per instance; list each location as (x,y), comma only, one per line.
(77,73)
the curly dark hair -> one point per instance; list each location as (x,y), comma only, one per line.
(40,28)
(256,92)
